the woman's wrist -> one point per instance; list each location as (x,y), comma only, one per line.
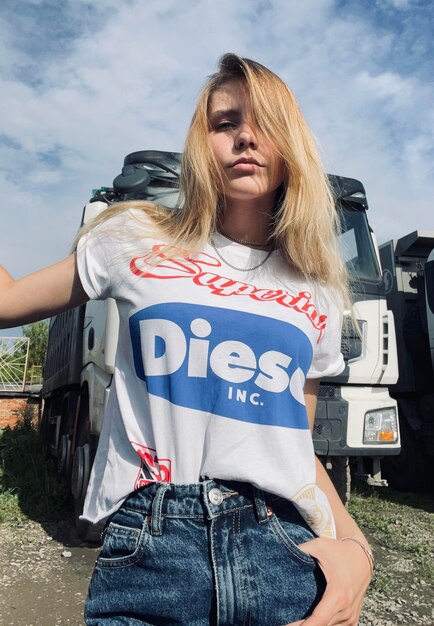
(366,549)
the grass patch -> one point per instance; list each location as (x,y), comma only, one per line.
(401,522)
(29,483)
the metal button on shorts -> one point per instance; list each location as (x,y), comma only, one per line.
(215,496)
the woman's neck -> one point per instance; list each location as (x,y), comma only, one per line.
(247,224)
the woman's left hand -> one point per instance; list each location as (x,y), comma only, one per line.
(347,572)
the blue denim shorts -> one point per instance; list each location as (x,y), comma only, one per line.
(208,553)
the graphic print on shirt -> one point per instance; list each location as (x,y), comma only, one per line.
(152,469)
(226,362)
(202,270)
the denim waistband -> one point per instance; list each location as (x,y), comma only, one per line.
(207,499)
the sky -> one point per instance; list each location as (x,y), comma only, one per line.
(83,84)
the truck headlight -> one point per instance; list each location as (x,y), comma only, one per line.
(381,426)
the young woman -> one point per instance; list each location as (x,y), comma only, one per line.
(230,311)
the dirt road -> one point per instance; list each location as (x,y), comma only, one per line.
(44,575)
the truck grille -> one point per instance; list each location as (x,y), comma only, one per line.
(385,342)
(317,429)
(327,392)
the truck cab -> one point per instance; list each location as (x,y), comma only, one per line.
(356,417)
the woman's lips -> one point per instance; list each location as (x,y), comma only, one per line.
(245,165)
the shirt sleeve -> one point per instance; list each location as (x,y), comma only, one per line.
(328,359)
(93,268)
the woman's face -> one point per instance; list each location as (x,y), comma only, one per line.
(251,166)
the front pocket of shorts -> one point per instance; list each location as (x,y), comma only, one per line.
(283,536)
(123,546)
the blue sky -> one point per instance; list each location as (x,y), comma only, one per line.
(85,83)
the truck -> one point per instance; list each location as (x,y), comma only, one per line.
(356,417)
(408,274)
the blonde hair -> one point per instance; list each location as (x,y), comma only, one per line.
(305,221)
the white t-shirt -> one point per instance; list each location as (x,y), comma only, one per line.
(210,368)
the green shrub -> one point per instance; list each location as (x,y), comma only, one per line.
(29,483)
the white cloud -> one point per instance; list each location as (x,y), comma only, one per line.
(398,4)
(387,85)
(125,76)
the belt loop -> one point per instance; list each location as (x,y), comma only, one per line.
(261,507)
(156,512)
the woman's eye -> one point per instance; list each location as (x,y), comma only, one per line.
(222,126)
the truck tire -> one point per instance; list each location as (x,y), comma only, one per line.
(64,455)
(81,466)
(405,471)
(338,469)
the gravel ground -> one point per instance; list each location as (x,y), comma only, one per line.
(407,599)
(45,572)
(44,575)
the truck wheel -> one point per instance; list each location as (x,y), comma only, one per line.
(64,456)
(338,469)
(404,472)
(81,466)
(401,471)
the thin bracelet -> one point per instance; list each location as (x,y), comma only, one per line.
(365,549)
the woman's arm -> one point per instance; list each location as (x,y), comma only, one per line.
(40,295)
(346,567)
(345,525)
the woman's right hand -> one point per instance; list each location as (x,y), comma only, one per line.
(40,295)
(347,572)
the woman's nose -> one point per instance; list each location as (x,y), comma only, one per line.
(246,137)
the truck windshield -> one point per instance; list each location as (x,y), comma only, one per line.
(356,246)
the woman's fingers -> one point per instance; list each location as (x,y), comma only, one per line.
(335,608)
(347,572)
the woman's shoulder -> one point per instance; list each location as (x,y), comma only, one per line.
(124,224)
(125,216)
